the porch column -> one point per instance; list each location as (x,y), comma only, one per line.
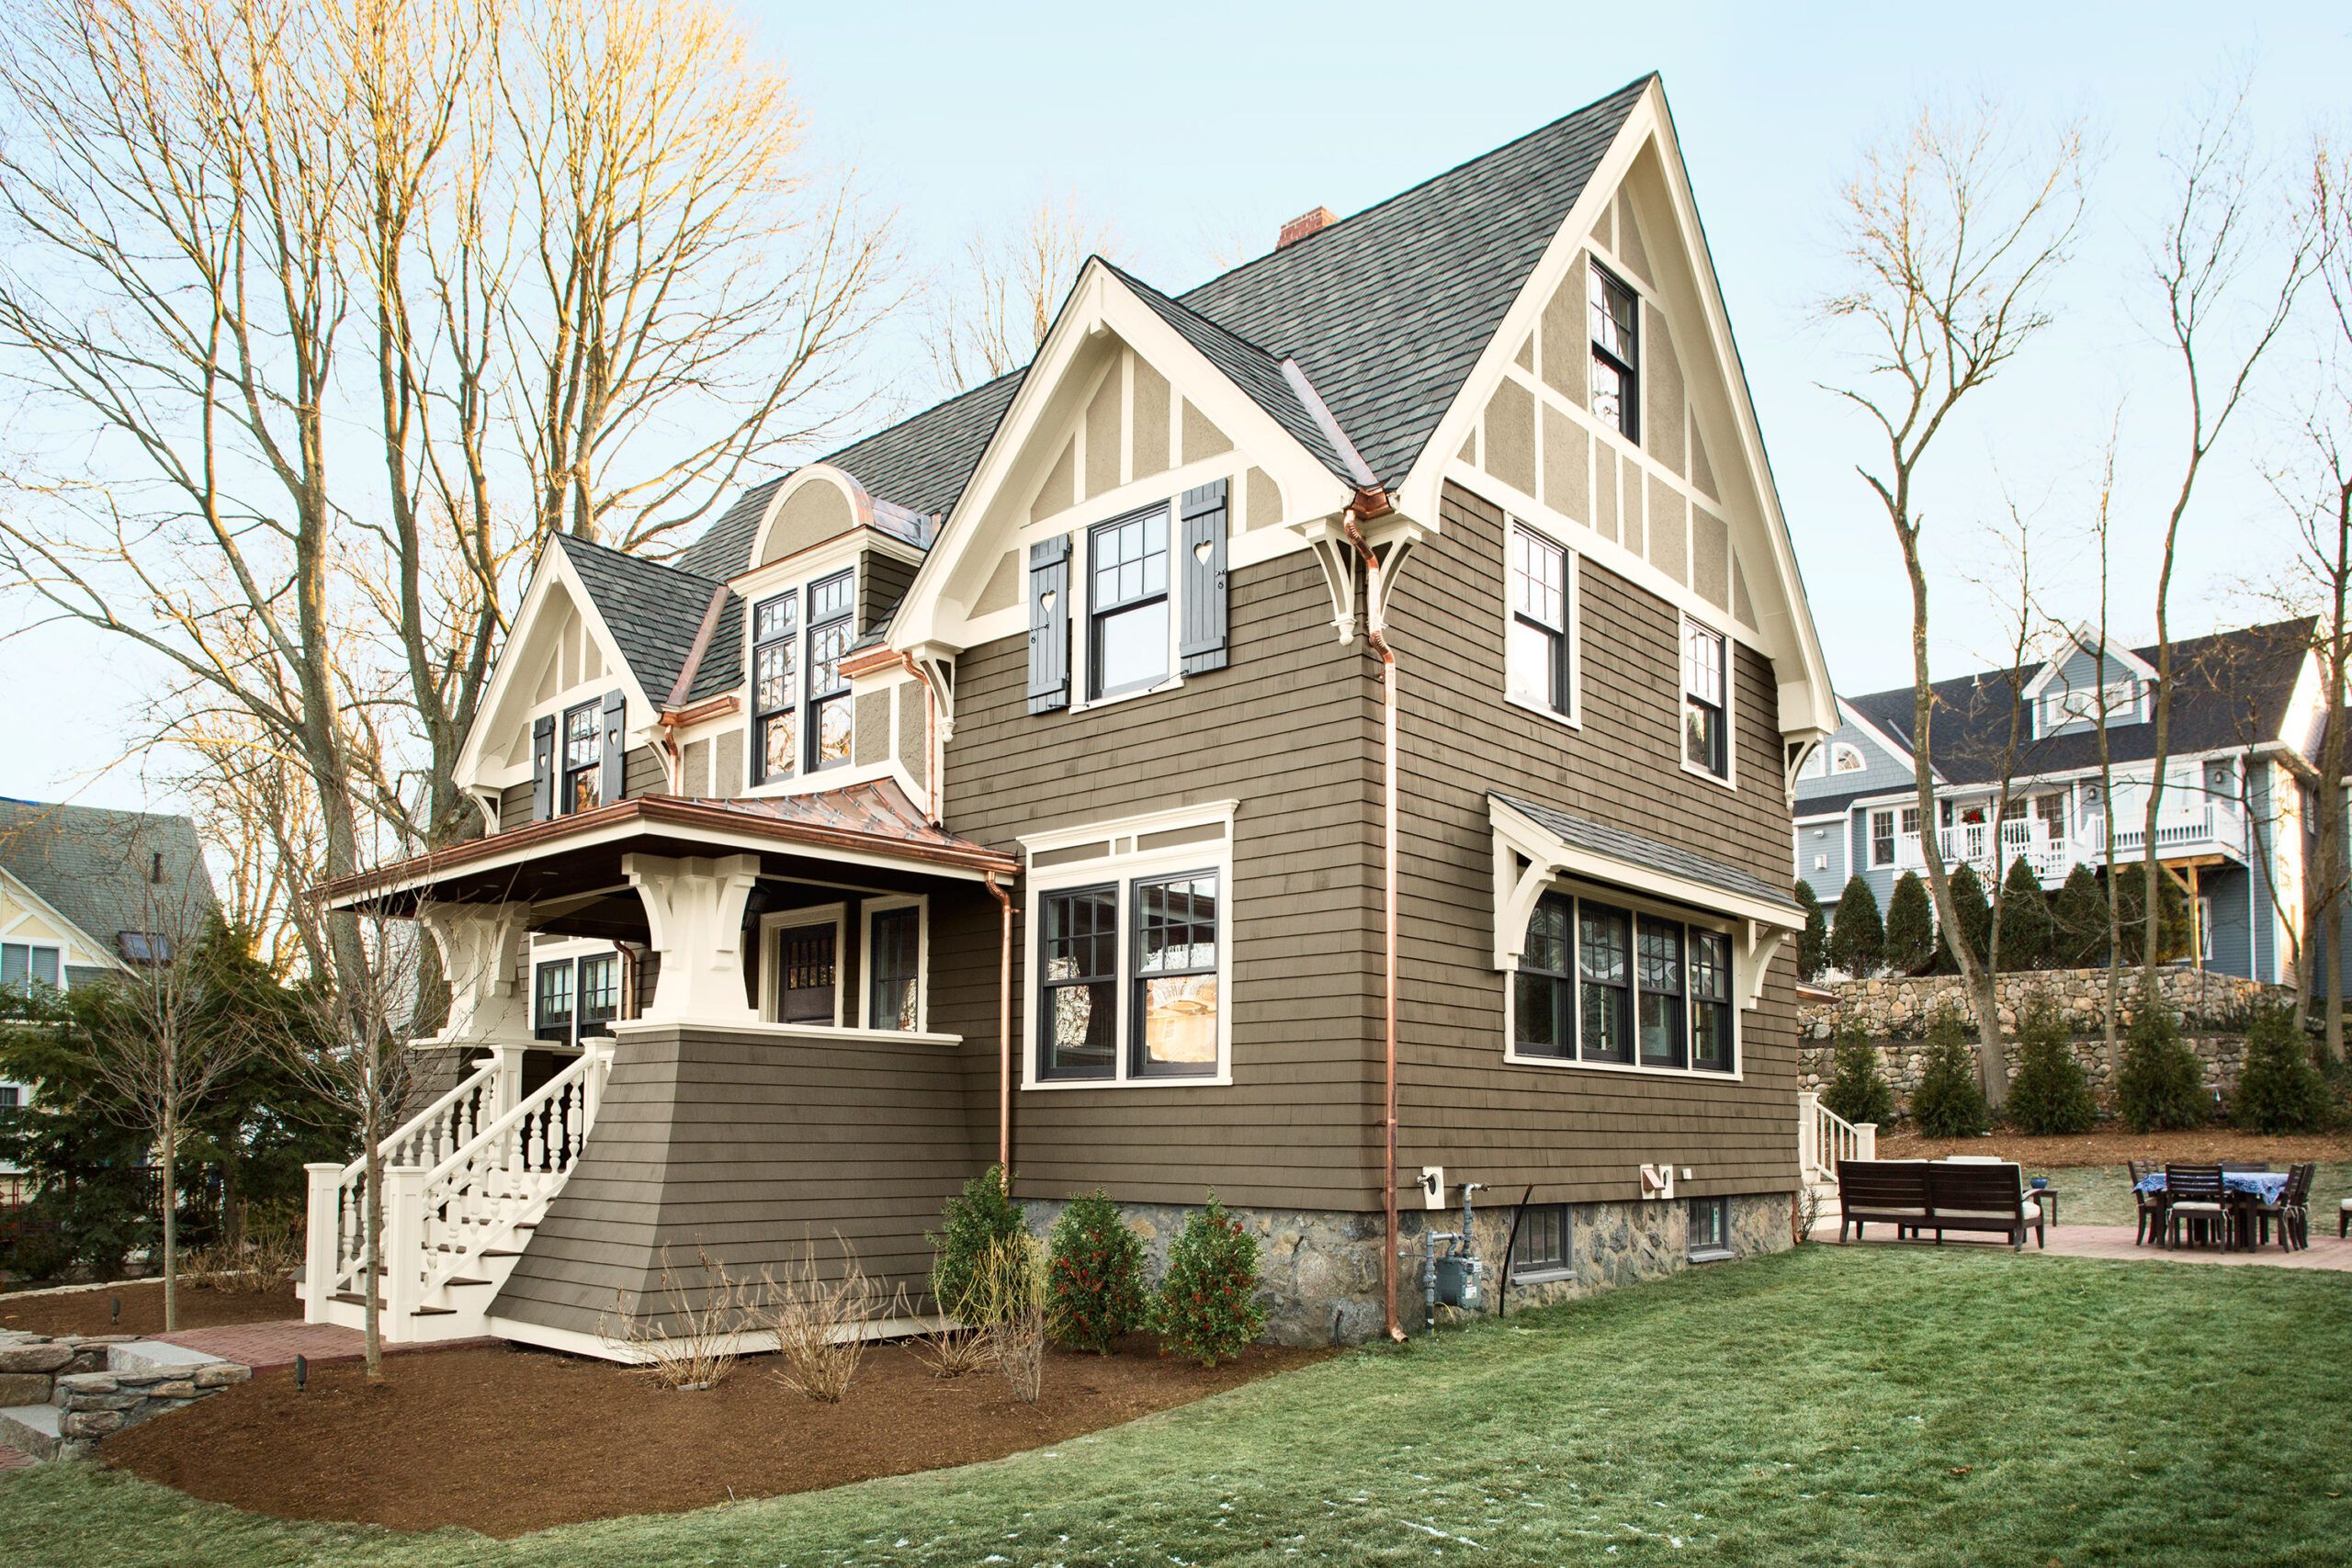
(478,945)
(694,911)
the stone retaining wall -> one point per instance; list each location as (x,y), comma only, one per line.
(59,1396)
(1896,1013)
(1320,1271)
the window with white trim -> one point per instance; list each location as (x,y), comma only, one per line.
(1602,983)
(1126,606)
(1539,657)
(895,937)
(833,626)
(801,708)
(1883,837)
(1616,354)
(776,688)
(12,1097)
(2078,705)
(25,965)
(583,757)
(1706,730)
(1130,954)
(1845,759)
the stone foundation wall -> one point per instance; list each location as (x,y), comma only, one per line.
(1896,1013)
(59,1396)
(1319,1270)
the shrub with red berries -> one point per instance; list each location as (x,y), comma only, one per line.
(1208,1306)
(1094,1276)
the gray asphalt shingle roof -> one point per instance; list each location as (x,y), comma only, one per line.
(97,868)
(654,611)
(1651,855)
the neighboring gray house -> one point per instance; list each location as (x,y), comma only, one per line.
(85,890)
(2232,822)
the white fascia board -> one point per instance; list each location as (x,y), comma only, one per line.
(1544,848)
(1100,301)
(1893,746)
(101,956)
(552,569)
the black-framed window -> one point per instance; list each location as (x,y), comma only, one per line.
(583,759)
(1883,838)
(807,965)
(1647,990)
(1544,1011)
(1710,1227)
(833,626)
(1545,1244)
(1078,1003)
(1538,658)
(12,1097)
(599,991)
(894,968)
(1616,354)
(1711,1003)
(776,688)
(1174,1027)
(1605,968)
(552,1001)
(1658,975)
(1126,607)
(1706,739)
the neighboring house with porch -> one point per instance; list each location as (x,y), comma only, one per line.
(2231,827)
(84,891)
(1021,782)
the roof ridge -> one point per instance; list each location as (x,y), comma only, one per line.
(1177,304)
(2257,629)
(571,539)
(1642,81)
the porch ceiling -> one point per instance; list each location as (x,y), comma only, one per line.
(866,836)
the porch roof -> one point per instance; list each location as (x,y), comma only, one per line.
(871,824)
(1597,848)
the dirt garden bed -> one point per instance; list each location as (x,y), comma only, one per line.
(91,1312)
(2113,1145)
(505,1441)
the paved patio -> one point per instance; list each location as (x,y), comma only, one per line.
(259,1345)
(2325,1253)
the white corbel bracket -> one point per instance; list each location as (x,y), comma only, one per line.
(1390,539)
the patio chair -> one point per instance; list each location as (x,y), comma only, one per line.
(2198,1200)
(2151,1204)
(2291,1211)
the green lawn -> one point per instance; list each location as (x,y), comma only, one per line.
(1875,1405)
(2101,1195)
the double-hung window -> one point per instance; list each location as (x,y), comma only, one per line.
(894,967)
(1126,610)
(25,964)
(831,628)
(583,758)
(1706,738)
(1540,654)
(1078,1003)
(776,688)
(1173,1023)
(1629,989)
(1881,838)
(575,998)
(551,1005)
(1616,354)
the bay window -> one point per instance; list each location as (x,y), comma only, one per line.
(1645,990)
(1540,654)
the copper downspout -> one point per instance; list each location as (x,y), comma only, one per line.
(1373,634)
(1003,1037)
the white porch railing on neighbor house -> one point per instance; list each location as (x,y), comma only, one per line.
(1823,1138)
(2209,827)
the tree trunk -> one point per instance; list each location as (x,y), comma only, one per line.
(171,1222)
(373,1278)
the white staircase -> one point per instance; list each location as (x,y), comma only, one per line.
(1823,1138)
(465,1183)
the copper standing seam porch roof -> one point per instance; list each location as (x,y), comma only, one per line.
(874,818)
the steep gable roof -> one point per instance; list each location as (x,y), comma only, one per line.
(2229,689)
(653,611)
(97,867)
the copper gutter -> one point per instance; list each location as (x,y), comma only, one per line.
(656,811)
(1371,501)
(1003,1037)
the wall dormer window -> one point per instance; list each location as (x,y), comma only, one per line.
(801,714)
(1540,660)
(776,688)
(1706,732)
(583,757)
(1127,646)
(832,627)
(1616,354)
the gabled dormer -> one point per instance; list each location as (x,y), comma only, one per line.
(2085,678)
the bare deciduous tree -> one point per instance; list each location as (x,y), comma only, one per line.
(986,313)
(1949,234)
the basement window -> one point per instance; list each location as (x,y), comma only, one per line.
(1544,1247)
(1709,1230)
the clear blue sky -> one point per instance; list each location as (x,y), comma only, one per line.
(1188,127)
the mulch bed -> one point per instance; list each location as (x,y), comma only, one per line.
(90,1312)
(2113,1147)
(505,1441)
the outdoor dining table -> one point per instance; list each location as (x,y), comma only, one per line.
(2248,1187)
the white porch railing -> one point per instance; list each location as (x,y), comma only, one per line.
(1823,1138)
(2209,827)
(425,1139)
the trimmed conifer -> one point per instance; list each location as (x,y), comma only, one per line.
(2050,1092)
(1857,936)
(1949,1103)
(1857,1091)
(2027,929)
(2162,1087)
(2078,921)
(1971,909)
(2279,1090)
(1910,946)
(1812,941)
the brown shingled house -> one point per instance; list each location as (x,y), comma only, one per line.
(1032,779)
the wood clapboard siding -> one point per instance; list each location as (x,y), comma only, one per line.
(751,1146)
(1578,1135)
(1291,730)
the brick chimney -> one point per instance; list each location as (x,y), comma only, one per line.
(1306,223)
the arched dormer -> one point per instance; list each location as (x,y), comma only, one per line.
(818,503)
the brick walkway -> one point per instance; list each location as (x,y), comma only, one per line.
(2114,1242)
(259,1345)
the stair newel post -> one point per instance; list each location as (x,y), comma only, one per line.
(321,1237)
(1808,1131)
(403,1261)
(1866,1140)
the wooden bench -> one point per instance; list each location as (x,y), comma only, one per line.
(1944,1195)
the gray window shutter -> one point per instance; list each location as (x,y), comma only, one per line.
(1050,624)
(1202,565)
(543,767)
(613,759)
